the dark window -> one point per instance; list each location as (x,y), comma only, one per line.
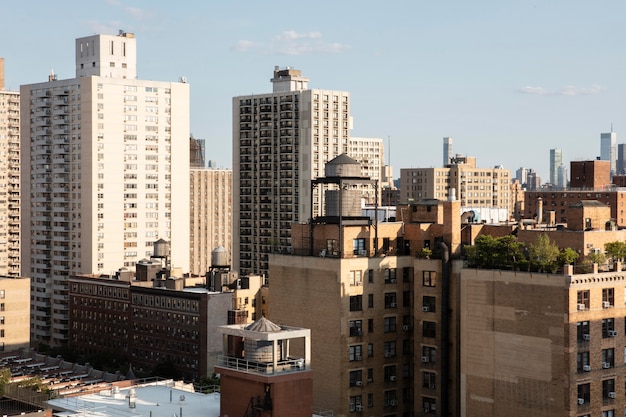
(582,331)
(608,328)
(584,393)
(582,360)
(370,374)
(406,274)
(356,328)
(390,300)
(389,349)
(428,304)
(356,378)
(390,275)
(608,299)
(370,300)
(406,299)
(358,246)
(429,380)
(390,398)
(356,303)
(429,329)
(583,298)
(429,405)
(608,358)
(390,373)
(608,389)
(370,275)
(389,324)
(356,353)
(370,325)
(429,354)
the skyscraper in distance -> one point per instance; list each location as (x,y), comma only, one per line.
(556,160)
(608,149)
(101,154)
(447,150)
(620,163)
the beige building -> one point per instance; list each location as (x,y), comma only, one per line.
(542,344)
(281,141)
(9,179)
(106,163)
(14,313)
(473,187)
(210,215)
(370,153)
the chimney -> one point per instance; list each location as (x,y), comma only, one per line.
(539,210)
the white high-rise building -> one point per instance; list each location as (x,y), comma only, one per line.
(9,179)
(608,149)
(101,155)
(370,153)
(281,141)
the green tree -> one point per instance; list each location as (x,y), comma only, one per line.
(597,258)
(616,250)
(567,256)
(425,253)
(543,254)
(5,378)
(491,252)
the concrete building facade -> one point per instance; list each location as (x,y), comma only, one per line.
(281,141)
(211,216)
(106,163)
(9,180)
(14,313)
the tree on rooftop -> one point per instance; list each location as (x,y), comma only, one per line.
(491,252)
(567,256)
(543,254)
(616,250)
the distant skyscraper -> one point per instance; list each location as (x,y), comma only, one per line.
(522,175)
(608,149)
(556,160)
(561,176)
(105,158)
(620,164)
(447,150)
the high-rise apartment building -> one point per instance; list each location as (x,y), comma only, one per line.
(210,215)
(369,152)
(9,179)
(106,163)
(474,187)
(556,160)
(608,149)
(620,163)
(447,151)
(281,141)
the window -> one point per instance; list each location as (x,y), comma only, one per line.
(609,413)
(370,400)
(389,349)
(390,399)
(584,393)
(356,278)
(370,375)
(608,358)
(429,278)
(608,297)
(370,350)
(1,306)
(406,274)
(356,303)
(356,353)
(428,303)
(331,247)
(370,275)
(582,331)
(429,405)
(582,298)
(355,403)
(390,275)
(390,300)
(356,328)
(370,300)
(608,388)
(1,293)
(389,324)
(429,354)
(429,380)
(608,327)
(370,325)
(582,362)
(390,373)
(356,378)
(429,329)
(358,246)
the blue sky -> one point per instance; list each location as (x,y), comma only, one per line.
(507,80)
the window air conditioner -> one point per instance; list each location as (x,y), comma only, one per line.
(586,368)
(425,359)
(405,327)
(392,280)
(606,365)
(425,308)
(587,337)
(393,402)
(392,305)
(432,386)
(581,401)
(359,383)
(392,378)
(387,354)
(359,283)
(360,408)
(611,394)
(612,333)
(426,410)
(581,307)
(606,304)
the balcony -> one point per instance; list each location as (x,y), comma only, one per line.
(262,368)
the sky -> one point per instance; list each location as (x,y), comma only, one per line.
(508,81)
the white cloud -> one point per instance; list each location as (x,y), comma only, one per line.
(292,43)
(569,90)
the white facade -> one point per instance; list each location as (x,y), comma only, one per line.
(9,180)
(447,150)
(100,155)
(281,141)
(370,153)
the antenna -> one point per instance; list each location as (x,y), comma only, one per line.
(611,127)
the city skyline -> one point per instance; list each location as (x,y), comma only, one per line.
(508,82)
